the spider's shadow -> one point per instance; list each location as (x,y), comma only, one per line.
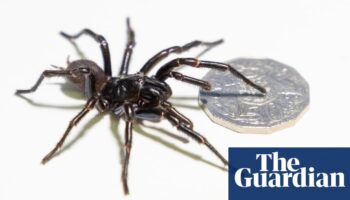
(231,94)
(114,126)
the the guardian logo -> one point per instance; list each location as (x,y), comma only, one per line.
(289,173)
(286,173)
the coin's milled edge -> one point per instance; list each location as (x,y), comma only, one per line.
(252,129)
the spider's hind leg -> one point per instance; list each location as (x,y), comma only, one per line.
(103,45)
(88,80)
(88,106)
(44,74)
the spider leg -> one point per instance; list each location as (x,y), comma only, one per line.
(103,45)
(187,79)
(175,120)
(149,114)
(128,50)
(175,49)
(183,119)
(155,115)
(163,73)
(201,139)
(128,141)
(88,83)
(88,106)
(44,74)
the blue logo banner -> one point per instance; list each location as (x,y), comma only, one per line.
(289,173)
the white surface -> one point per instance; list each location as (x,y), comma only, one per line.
(312,36)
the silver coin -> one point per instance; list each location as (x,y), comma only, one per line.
(237,106)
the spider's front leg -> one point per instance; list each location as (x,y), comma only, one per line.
(176,49)
(165,71)
(187,79)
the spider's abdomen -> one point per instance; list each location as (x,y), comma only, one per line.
(78,79)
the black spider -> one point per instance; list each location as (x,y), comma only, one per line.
(136,97)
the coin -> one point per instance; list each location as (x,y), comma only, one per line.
(237,106)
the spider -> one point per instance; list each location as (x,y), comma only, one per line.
(134,97)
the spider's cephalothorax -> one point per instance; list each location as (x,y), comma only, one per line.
(136,89)
(136,97)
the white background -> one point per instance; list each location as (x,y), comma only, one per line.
(312,36)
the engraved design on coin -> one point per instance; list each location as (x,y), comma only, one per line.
(235,105)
